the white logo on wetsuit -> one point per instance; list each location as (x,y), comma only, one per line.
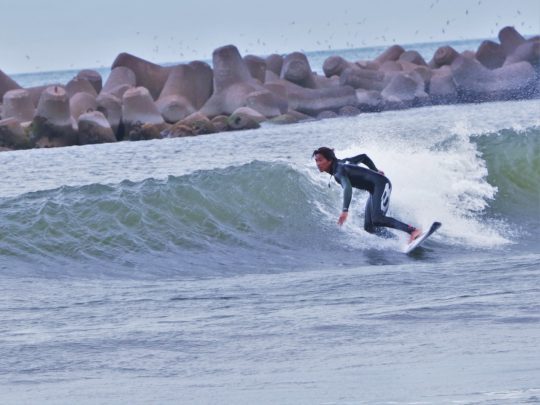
(385,199)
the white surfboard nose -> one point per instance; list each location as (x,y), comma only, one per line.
(418,241)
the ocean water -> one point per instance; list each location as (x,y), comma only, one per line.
(211,270)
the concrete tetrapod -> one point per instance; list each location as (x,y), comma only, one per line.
(53,125)
(18,104)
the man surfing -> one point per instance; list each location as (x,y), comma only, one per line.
(349,175)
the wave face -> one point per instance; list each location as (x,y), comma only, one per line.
(513,162)
(200,219)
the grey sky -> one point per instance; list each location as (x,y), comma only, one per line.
(60,34)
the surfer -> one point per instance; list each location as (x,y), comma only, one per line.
(348,174)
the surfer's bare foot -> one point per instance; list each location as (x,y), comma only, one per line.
(415,234)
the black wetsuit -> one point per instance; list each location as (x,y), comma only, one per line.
(378,186)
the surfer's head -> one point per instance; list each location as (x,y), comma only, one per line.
(324,158)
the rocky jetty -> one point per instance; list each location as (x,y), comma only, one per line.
(142,100)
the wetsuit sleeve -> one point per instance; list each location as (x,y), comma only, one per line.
(347,192)
(362,159)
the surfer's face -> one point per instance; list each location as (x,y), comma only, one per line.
(322,163)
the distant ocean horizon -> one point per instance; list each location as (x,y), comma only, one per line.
(316,60)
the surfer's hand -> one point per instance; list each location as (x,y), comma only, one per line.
(342,218)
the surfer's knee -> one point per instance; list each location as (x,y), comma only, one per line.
(369,228)
(378,220)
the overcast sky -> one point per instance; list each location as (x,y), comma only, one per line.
(39,35)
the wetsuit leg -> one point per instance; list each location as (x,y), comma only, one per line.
(380,201)
(368,223)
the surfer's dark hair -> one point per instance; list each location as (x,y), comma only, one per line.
(326,152)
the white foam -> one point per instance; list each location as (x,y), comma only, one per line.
(430,183)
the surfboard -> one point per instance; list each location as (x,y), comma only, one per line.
(418,241)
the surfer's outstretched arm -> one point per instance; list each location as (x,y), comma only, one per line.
(362,159)
(347,196)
